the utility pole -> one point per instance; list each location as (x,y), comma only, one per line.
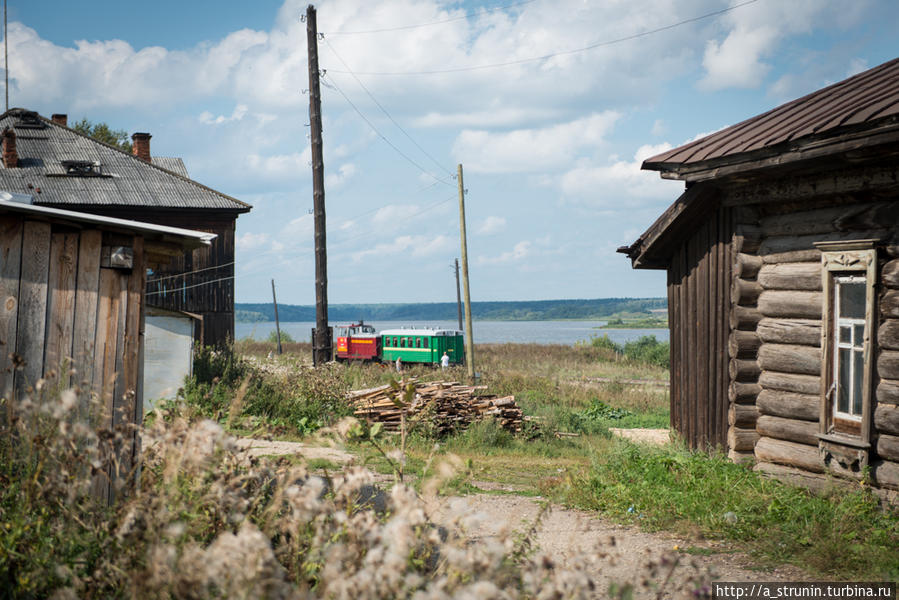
(458,297)
(469,339)
(321,342)
(277,322)
(5,54)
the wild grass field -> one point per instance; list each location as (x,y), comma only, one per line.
(203,521)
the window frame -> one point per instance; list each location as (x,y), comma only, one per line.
(842,437)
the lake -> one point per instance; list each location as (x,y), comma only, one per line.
(485,332)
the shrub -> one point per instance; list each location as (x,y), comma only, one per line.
(648,349)
(286,338)
(605,342)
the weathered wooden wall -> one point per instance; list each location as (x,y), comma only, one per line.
(788,321)
(60,309)
(699,292)
(200,282)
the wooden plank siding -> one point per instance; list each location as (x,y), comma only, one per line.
(699,283)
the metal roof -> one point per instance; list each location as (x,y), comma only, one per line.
(860,103)
(11,202)
(124,180)
(170,163)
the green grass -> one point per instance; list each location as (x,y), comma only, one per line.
(846,534)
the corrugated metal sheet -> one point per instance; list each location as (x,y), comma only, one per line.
(126,180)
(862,101)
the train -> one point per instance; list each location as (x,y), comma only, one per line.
(360,342)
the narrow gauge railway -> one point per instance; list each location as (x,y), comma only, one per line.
(358,341)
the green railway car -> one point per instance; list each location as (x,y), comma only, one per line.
(422,345)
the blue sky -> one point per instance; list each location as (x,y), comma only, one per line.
(551,148)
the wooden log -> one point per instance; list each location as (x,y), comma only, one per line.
(790,358)
(791,276)
(744,318)
(889,304)
(888,446)
(793,256)
(886,474)
(743,393)
(790,382)
(890,274)
(793,430)
(828,219)
(741,440)
(775,244)
(747,238)
(789,405)
(891,250)
(886,419)
(744,292)
(746,266)
(743,370)
(888,364)
(740,457)
(888,334)
(816,482)
(742,415)
(888,391)
(786,304)
(787,453)
(805,332)
(743,344)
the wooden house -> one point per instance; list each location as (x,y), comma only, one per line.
(783,283)
(64,169)
(72,308)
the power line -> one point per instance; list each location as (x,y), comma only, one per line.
(412,216)
(384,110)
(416,26)
(189,272)
(179,289)
(561,53)
(333,85)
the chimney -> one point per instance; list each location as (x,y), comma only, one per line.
(10,156)
(60,119)
(141,145)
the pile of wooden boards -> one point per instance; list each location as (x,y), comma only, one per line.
(441,406)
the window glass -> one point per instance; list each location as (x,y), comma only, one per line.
(845,381)
(418,342)
(402,342)
(425,342)
(859,340)
(852,299)
(387,341)
(845,335)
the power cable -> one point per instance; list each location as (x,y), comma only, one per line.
(465,16)
(561,53)
(384,110)
(189,272)
(333,85)
(179,289)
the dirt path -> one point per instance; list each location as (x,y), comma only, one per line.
(565,533)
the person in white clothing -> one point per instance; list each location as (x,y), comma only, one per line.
(399,364)
(444,360)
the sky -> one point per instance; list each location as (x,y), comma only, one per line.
(546,104)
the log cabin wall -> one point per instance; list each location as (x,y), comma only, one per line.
(789,308)
(699,294)
(64,307)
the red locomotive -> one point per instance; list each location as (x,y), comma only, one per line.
(357,341)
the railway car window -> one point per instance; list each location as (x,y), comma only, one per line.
(425,342)
(418,342)
(387,341)
(402,342)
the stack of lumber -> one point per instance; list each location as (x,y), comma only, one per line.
(444,406)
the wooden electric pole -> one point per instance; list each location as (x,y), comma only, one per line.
(321,343)
(277,322)
(458,297)
(469,339)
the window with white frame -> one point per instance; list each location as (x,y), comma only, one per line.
(849,346)
(848,280)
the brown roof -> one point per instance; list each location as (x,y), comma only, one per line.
(860,103)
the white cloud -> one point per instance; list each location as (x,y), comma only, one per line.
(208,118)
(620,183)
(525,150)
(251,241)
(344,173)
(416,245)
(281,166)
(491,225)
(659,128)
(736,62)
(519,252)
(856,66)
